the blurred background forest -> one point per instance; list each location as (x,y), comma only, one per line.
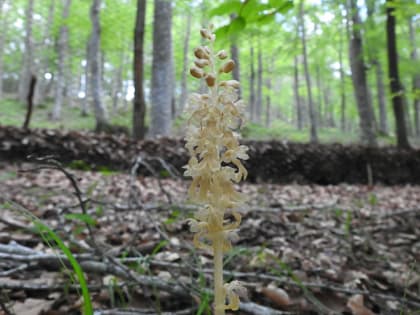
(313,70)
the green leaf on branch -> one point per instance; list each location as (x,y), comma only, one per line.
(227,7)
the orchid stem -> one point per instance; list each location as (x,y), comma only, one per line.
(219,294)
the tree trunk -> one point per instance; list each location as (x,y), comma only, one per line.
(312,113)
(359,79)
(252,85)
(95,67)
(28,54)
(234,52)
(298,104)
(88,95)
(3,25)
(268,85)
(42,85)
(258,103)
(380,86)
(161,69)
(342,83)
(139,106)
(415,79)
(374,60)
(117,82)
(186,52)
(62,61)
(319,95)
(397,92)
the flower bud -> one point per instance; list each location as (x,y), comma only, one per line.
(201,63)
(206,34)
(210,80)
(222,54)
(200,53)
(196,72)
(228,66)
(232,83)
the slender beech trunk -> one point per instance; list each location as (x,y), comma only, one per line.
(342,83)
(397,93)
(298,104)
(139,106)
(185,65)
(95,67)
(41,88)
(312,112)
(28,54)
(234,52)
(357,65)
(380,86)
(62,60)
(3,25)
(268,85)
(117,84)
(252,85)
(319,94)
(374,60)
(258,103)
(162,69)
(88,95)
(416,77)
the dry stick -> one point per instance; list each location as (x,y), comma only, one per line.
(16,254)
(140,161)
(3,306)
(55,165)
(142,312)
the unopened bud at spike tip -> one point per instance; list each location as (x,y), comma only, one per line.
(222,54)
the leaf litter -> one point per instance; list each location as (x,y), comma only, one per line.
(302,249)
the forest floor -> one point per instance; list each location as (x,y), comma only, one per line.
(342,249)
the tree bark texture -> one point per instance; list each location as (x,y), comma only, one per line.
(63,40)
(397,93)
(319,94)
(3,25)
(380,87)
(161,93)
(28,54)
(416,78)
(95,67)
(268,85)
(139,106)
(374,60)
(343,100)
(30,102)
(43,84)
(88,91)
(258,103)
(366,123)
(234,52)
(185,65)
(118,81)
(312,112)
(252,102)
(298,104)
